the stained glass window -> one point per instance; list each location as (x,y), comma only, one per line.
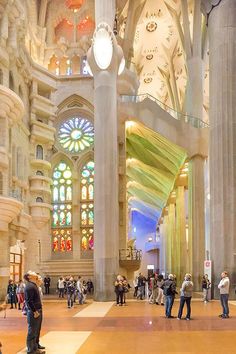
(76,134)
(62,208)
(87,206)
(62,241)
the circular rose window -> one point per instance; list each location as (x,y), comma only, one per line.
(76,134)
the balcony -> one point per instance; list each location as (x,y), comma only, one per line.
(10,208)
(130,259)
(40,184)
(11,106)
(42,105)
(39,163)
(40,213)
(42,132)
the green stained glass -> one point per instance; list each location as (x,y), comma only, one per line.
(85,173)
(57,174)
(62,193)
(68,218)
(90,217)
(62,197)
(55,194)
(87,207)
(76,134)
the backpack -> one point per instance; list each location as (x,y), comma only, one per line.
(167,289)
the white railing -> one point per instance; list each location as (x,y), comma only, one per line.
(194,121)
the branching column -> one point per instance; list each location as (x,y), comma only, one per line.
(106,208)
(196,219)
(181,243)
(222,34)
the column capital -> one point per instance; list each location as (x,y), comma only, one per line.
(208,5)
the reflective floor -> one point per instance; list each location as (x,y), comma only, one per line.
(138,328)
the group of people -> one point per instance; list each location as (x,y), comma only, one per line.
(15,293)
(74,288)
(163,291)
(121,288)
(71,285)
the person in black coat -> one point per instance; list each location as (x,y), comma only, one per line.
(47,282)
(11,293)
(34,313)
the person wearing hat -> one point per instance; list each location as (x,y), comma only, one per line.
(169,289)
(34,313)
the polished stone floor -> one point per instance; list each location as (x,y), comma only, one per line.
(138,328)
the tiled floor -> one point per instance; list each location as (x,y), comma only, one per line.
(102,328)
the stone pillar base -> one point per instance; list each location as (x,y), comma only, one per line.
(104,278)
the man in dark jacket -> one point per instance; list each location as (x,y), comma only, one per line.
(34,313)
(47,282)
(169,288)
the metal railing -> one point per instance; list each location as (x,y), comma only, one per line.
(194,121)
(130,254)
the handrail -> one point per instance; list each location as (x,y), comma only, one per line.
(130,254)
(194,121)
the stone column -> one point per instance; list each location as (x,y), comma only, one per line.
(172,236)
(222,34)
(106,208)
(181,243)
(196,219)
(42,12)
(4,263)
(163,238)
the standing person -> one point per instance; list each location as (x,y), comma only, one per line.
(11,293)
(119,290)
(20,293)
(135,283)
(160,284)
(153,288)
(79,287)
(61,287)
(224,285)
(186,293)
(85,291)
(70,290)
(90,286)
(141,286)
(47,282)
(205,288)
(34,313)
(169,292)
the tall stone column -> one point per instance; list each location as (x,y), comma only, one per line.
(181,243)
(4,263)
(163,238)
(222,34)
(196,219)
(172,236)
(106,208)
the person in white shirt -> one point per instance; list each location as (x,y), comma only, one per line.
(224,294)
(80,290)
